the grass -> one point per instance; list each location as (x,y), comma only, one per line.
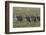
(25,12)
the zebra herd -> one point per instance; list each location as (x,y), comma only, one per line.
(28,18)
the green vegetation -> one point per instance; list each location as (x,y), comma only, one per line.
(25,11)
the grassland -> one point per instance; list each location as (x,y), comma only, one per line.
(25,11)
